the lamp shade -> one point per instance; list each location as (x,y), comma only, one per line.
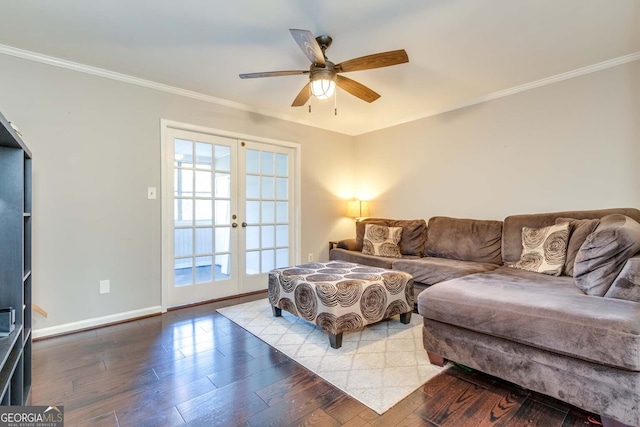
(357,209)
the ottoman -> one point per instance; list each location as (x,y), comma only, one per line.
(340,296)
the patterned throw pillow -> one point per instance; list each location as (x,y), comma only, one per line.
(382,241)
(544,250)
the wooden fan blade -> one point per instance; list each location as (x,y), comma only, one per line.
(273,74)
(303,96)
(309,46)
(357,89)
(377,60)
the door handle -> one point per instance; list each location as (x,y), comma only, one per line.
(234,225)
(244,224)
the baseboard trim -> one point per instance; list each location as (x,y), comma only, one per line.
(96,322)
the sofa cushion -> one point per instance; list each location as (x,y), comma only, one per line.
(542,311)
(431,270)
(579,230)
(464,239)
(414,233)
(627,284)
(360,258)
(512,226)
(544,250)
(604,253)
(382,241)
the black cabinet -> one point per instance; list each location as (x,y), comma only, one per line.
(15,264)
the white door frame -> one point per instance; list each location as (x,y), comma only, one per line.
(166,169)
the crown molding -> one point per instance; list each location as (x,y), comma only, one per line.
(522,88)
(70,65)
(101,72)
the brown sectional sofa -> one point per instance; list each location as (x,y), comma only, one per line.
(540,331)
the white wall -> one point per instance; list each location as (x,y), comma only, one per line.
(571,145)
(96,147)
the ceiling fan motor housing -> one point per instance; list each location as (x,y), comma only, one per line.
(324,42)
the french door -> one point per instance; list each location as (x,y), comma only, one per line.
(229,214)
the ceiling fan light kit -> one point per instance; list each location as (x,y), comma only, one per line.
(323,74)
(323,83)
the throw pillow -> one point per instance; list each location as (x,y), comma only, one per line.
(605,252)
(360,226)
(579,230)
(544,250)
(382,241)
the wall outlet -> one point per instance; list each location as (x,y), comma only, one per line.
(310,258)
(105,287)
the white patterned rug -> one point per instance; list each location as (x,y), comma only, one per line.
(379,365)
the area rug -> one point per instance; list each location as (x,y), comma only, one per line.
(379,365)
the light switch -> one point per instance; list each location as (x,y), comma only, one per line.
(151,193)
(105,287)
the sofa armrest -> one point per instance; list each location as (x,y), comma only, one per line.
(348,244)
(627,285)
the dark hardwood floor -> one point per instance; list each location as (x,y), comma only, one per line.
(193,366)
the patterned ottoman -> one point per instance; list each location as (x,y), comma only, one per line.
(341,296)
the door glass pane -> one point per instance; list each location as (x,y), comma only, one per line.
(268,260)
(282,165)
(253,237)
(223,185)
(253,187)
(183,212)
(203,212)
(183,182)
(204,155)
(253,212)
(282,188)
(202,198)
(203,184)
(183,271)
(282,258)
(182,152)
(282,212)
(223,212)
(268,236)
(223,266)
(223,239)
(204,270)
(268,212)
(282,235)
(182,241)
(267,163)
(223,158)
(253,162)
(267,187)
(204,240)
(252,263)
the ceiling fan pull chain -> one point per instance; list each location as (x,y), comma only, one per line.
(309,107)
(335,103)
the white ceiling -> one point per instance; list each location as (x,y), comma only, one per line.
(460,51)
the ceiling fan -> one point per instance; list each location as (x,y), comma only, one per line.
(323,74)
